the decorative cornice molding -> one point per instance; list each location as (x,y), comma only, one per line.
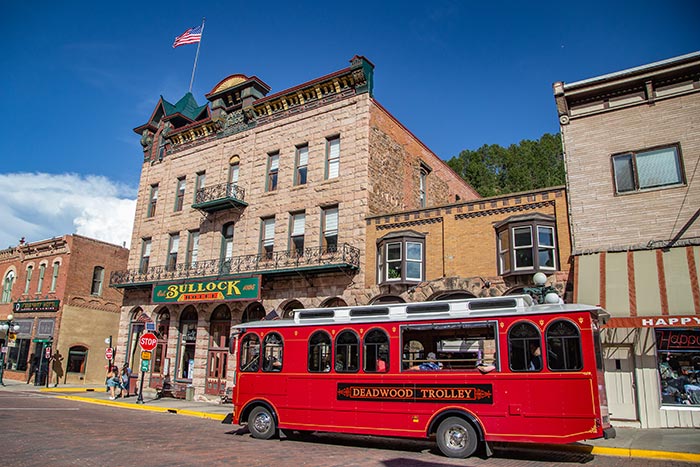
(413,223)
(504,210)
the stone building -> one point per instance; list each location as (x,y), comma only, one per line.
(255,202)
(56,291)
(632,149)
(478,248)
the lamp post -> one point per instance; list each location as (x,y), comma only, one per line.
(8,326)
(540,292)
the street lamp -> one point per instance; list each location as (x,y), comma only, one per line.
(542,293)
(8,326)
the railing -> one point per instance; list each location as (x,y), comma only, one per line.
(220,191)
(343,256)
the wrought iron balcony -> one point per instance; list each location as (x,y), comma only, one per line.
(219,197)
(313,260)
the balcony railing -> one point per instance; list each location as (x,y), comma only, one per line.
(312,260)
(219,197)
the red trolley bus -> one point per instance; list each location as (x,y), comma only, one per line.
(468,372)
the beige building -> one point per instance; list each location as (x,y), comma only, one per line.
(632,150)
(257,202)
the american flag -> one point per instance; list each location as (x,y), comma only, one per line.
(191,36)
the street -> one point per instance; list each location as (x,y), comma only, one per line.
(40,429)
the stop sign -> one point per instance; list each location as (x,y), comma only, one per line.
(148,341)
(109,353)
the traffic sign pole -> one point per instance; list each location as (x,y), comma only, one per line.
(148,342)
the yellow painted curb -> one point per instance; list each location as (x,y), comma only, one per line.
(646,454)
(71,389)
(133,406)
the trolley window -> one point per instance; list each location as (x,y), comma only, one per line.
(250,352)
(563,346)
(320,352)
(525,347)
(347,352)
(272,352)
(376,351)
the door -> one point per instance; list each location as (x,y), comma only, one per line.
(217,355)
(620,382)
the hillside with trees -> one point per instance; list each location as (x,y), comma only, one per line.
(494,170)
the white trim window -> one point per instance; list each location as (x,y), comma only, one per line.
(329,227)
(526,244)
(296,234)
(192,248)
(7,287)
(273,168)
(173,246)
(302,162)
(30,270)
(267,238)
(180,193)
(401,258)
(145,255)
(54,275)
(648,169)
(98,275)
(153,201)
(42,273)
(332,157)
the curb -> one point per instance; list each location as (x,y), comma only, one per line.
(630,453)
(129,405)
(67,389)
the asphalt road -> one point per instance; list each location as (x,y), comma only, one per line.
(42,430)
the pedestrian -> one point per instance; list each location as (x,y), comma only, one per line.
(56,366)
(113,382)
(125,379)
(33,367)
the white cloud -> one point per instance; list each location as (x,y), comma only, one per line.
(38,206)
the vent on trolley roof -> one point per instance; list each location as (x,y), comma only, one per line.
(370,311)
(428,308)
(492,304)
(311,314)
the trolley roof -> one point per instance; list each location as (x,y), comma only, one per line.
(491,307)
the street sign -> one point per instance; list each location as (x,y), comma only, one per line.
(145,364)
(145,355)
(148,341)
(109,353)
(48,352)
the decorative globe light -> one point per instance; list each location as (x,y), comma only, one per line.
(539,279)
(10,317)
(551,298)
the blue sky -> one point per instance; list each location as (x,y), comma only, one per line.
(78,76)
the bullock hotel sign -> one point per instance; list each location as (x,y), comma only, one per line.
(246,288)
(469,393)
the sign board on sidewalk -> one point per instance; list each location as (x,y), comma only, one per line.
(48,352)
(148,341)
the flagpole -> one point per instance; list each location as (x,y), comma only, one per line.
(197,55)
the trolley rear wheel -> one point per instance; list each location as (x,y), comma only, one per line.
(456,438)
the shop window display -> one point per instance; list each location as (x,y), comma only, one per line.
(678,354)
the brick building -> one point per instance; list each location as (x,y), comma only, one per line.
(632,149)
(256,202)
(56,290)
(485,247)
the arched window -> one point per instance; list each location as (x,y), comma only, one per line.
(77,358)
(288,309)
(347,352)
(42,273)
(525,347)
(250,352)
(254,312)
(220,327)
(272,352)
(320,352)
(333,302)
(376,351)
(188,340)
(7,286)
(163,326)
(563,346)
(54,276)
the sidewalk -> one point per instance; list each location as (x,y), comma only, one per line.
(680,444)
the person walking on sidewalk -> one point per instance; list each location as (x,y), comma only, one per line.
(33,367)
(56,366)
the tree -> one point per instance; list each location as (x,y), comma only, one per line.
(530,165)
